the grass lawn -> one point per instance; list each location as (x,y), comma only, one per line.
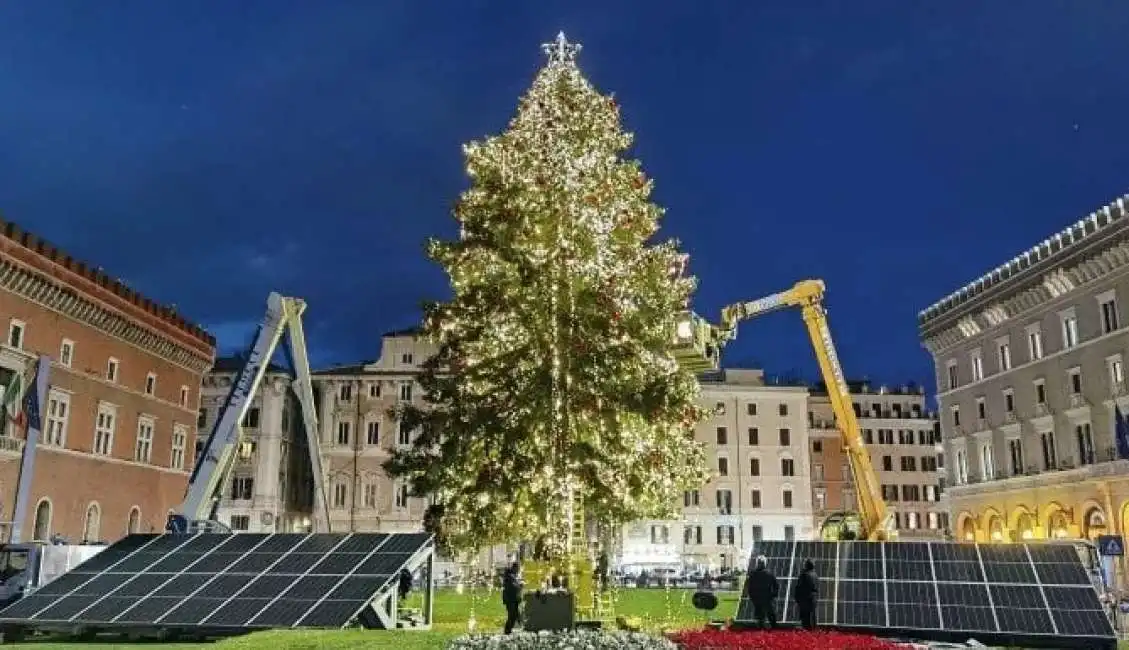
(451,613)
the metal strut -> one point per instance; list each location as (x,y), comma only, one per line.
(216,460)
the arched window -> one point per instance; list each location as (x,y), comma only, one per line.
(91,528)
(1095,524)
(134,525)
(968,529)
(996,528)
(42,528)
(1025,526)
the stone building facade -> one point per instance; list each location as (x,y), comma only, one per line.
(898,431)
(1030,364)
(119,422)
(757,445)
(271,488)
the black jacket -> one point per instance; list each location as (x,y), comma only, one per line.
(511,587)
(761,587)
(807,588)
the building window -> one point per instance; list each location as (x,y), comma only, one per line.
(724,502)
(16,333)
(754,467)
(133,524)
(104,426)
(725,535)
(951,368)
(372,434)
(112,365)
(691,498)
(722,466)
(751,408)
(1116,371)
(406,358)
(368,495)
(403,434)
(184,396)
(1003,348)
(374,389)
(817,447)
(787,467)
(143,449)
(1040,391)
(345,393)
(179,444)
(92,526)
(1108,302)
(755,499)
(719,408)
(242,488)
(340,494)
(783,409)
(789,533)
(150,383)
(1069,329)
(754,436)
(1015,456)
(817,472)
(66,352)
(722,436)
(692,535)
(246,449)
(344,431)
(956,416)
(405,392)
(240,522)
(1050,455)
(1034,342)
(251,418)
(1009,401)
(58,413)
(887,464)
(981,410)
(402,496)
(819,497)
(785,437)
(201,418)
(1075,381)
(961,467)
(660,534)
(1084,436)
(987,462)
(786,498)
(977,365)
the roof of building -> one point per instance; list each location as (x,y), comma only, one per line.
(408,331)
(234,363)
(345,369)
(1035,259)
(96,275)
(867,387)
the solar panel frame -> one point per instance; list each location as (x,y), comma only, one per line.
(1009,599)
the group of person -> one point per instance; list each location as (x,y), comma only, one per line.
(761,588)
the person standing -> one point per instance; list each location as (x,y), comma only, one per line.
(512,586)
(807,594)
(761,588)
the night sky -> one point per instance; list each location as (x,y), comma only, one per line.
(210,152)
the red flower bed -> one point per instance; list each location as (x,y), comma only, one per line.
(779,640)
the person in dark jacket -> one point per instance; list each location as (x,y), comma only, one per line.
(761,588)
(806,595)
(405,586)
(511,595)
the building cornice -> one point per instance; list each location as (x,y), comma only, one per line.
(1057,286)
(51,293)
(1042,258)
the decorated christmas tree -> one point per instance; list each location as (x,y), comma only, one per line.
(554,389)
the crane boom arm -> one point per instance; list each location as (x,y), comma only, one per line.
(808,296)
(217,458)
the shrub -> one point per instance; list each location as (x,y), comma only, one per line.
(568,640)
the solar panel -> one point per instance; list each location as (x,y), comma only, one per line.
(242,581)
(1013,594)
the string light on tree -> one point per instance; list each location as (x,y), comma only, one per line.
(554,374)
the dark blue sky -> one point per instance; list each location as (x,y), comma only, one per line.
(210,152)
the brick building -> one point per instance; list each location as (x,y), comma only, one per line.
(119,421)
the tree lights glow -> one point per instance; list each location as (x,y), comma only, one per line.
(555,386)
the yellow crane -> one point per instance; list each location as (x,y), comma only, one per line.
(700,346)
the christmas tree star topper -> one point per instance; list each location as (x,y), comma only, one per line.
(561,51)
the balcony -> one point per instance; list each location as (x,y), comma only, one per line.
(10,445)
(1042,410)
(1009,417)
(1099,464)
(1077,400)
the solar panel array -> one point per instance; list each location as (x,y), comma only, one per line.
(243,581)
(942,590)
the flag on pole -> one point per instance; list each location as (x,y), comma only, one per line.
(12,395)
(31,404)
(1121,433)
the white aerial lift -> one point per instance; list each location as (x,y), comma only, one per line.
(216,459)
